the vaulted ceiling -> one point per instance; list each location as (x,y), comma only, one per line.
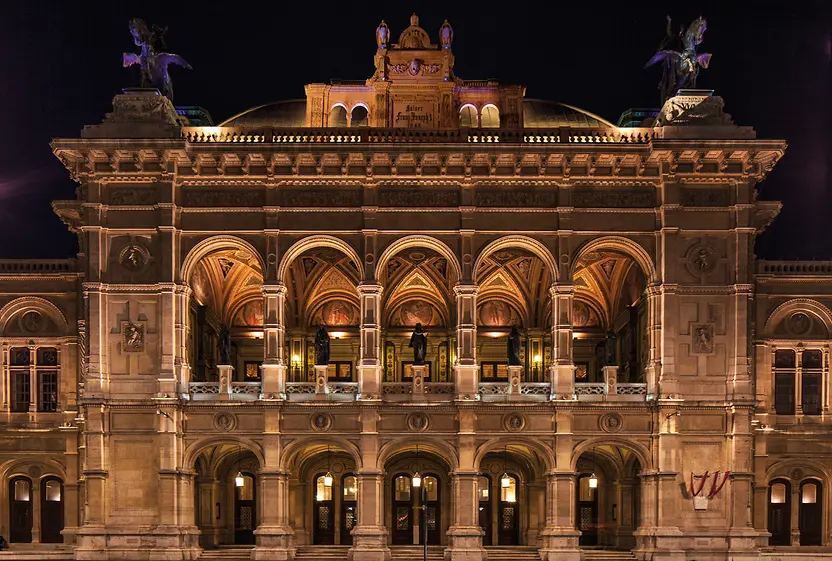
(606,282)
(514,290)
(228,282)
(321,286)
(418,288)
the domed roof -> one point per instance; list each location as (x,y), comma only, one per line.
(290,114)
(539,113)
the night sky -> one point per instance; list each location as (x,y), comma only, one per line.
(60,65)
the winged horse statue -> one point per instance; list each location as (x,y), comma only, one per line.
(154,66)
(681,61)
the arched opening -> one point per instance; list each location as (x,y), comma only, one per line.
(779,512)
(359,116)
(468,116)
(490,117)
(227,495)
(811,512)
(338,116)
(607,495)
(514,283)
(321,292)
(609,318)
(484,508)
(20,510)
(51,510)
(418,286)
(349,507)
(226,316)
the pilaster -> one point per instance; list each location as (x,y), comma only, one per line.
(273,369)
(466,369)
(370,372)
(465,536)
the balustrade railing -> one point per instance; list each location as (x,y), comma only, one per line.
(536,388)
(493,388)
(396,388)
(343,388)
(439,388)
(299,388)
(203,388)
(589,388)
(214,390)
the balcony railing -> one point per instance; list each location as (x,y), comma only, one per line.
(526,391)
(37,266)
(238,391)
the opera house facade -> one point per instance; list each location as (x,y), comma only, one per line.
(606,370)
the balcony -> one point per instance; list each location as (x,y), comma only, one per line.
(236,391)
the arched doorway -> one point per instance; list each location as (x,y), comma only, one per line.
(811,512)
(51,510)
(20,510)
(245,508)
(323,517)
(484,507)
(359,117)
(338,116)
(779,512)
(587,511)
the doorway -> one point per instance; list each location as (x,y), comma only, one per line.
(779,512)
(811,512)
(587,511)
(402,510)
(20,510)
(51,510)
(245,511)
(349,507)
(509,513)
(484,507)
(323,532)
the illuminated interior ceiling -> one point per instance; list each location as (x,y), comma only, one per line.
(514,290)
(321,286)
(228,283)
(606,282)
(418,288)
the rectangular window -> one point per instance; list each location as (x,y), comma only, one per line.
(812,363)
(784,382)
(339,371)
(407,372)
(20,391)
(48,381)
(494,372)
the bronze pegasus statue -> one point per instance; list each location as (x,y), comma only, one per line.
(681,61)
(154,65)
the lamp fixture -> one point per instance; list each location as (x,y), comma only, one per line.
(416,480)
(505,480)
(593,479)
(328,475)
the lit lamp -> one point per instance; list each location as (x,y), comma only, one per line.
(505,481)
(417,480)
(328,479)
(593,481)
(537,359)
(239,481)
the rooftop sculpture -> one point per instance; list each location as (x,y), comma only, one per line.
(681,61)
(154,65)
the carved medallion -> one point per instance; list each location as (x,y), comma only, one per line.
(321,422)
(133,257)
(799,324)
(702,338)
(610,422)
(514,422)
(132,337)
(796,474)
(32,322)
(702,260)
(225,422)
(35,471)
(418,422)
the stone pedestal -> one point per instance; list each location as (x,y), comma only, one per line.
(515,377)
(321,380)
(418,381)
(273,378)
(611,380)
(226,375)
(466,378)
(563,381)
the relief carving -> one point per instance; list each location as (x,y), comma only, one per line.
(133,257)
(702,339)
(321,198)
(704,197)
(591,198)
(132,337)
(702,260)
(133,196)
(199,197)
(418,198)
(517,199)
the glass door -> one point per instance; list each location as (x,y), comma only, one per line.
(587,521)
(349,508)
(509,512)
(244,510)
(484,507)
(779,512)
(51,510)
(20,491)
(323,530)
(430,495)
(402,511)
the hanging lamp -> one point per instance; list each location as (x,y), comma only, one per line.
(239,480)
(328,476)
(593,479)
(417,479)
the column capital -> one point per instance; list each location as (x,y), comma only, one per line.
(276,288)
(182,288)
(562,289)
(370,288)
(466,289)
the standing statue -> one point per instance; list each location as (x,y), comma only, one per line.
(321,347)
(446,35)
(225,345)
(514,347)
(681,61)
(154,66)
(382,35)
(419,343)
(609,349)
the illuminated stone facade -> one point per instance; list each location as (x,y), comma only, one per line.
(654,349)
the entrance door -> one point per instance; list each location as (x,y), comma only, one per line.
(323,532)
(484,507)
(509,513)
(779,512)
(244,510)
(51,510)
(402,510)
(811,512)
(20,507)
(349,508)
(430,495)
(587,521)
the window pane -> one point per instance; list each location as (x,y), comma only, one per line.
(19,356)
(20,391)
(431,488)
(322,492)
(47,356)
(778,493)
(482,488)
(809,494)
(21,490)
(585,492)
(509,494)
(402,488)
(812,359)
(246,492)
(53,490)
(784,394)
(48,391)
(811,394)
(784,359)
(350,488)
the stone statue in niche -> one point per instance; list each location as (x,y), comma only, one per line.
(154,65)
(419,344)
(321,347)
(702,336)
(132,338)
(609,349)
(225,345)
(514,347)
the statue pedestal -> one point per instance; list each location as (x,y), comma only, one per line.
(418,387)
(226,375)
(515,376)
(321,380)
(611,380)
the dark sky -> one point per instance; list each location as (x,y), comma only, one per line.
(60,65)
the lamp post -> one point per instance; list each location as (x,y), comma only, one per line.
(423,507)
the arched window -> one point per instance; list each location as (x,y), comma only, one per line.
(44,363)
(51,510)
(784,381)
(468,116)
(359,116)
(20,510)
(338,116)
(811,512)
(490,117)
(779,512)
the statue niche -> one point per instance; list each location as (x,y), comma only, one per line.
(514,345)
(322,347)
(419,344)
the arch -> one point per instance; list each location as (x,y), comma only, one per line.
(42,305)
(338,115)
(781,469)
(196,448)
(469,116)
(294,451)
(216,243)
(617,243)
(439,448)
(524,242)
(311,242)
(418,241)
(490,117)
(641,453)
(497,444)
(51,468)
(363,120)
(814,307)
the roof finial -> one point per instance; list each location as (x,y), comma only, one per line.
(414,20)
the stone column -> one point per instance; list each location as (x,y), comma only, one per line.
(466,369)
(273,370)
(654,370)
(167,381)
(97,383)
(369,537)
(559,538)
(71,488)
(275,536)
(795,513)
(92,535)
(370,372)
(562,372)
(465,536)
(624,515)
(187,513)
(181,364)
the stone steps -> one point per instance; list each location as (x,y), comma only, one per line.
(512,553)
(226,553)
(416,553)
(322,552)
(608,555)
